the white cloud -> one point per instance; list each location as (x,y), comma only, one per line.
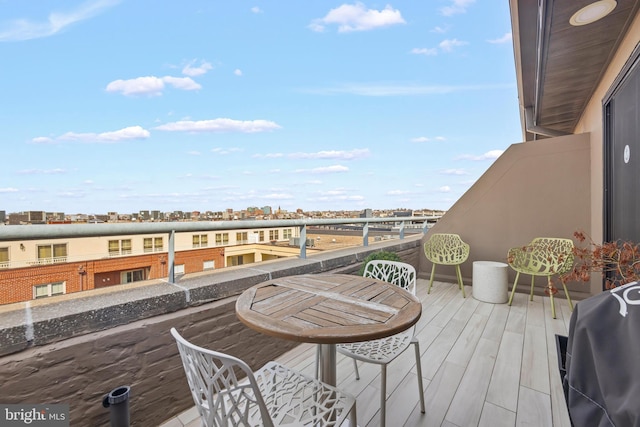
(444,46)
(237,72)
(193,71)
(194,153)
(424,51)
(151,85)
(440,30)
(444,189)
(397,192)
(357,17)
(220,125)
(454,172)
(427,139)
(504,39)
(8,190)
(128,133)
(277,196)
(22,29)
(333,154)
(56,171)
(450,44)
(225,151)
(256,9)
(456,7)
(268,156)
(326,169)
(489,155)
(43,140)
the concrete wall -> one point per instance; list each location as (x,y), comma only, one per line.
(78,349)
(535,189)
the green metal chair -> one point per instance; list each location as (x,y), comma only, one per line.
(446,249)
(544,256)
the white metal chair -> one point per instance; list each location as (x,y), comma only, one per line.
(384,350)
(273,395)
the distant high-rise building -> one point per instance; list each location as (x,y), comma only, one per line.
(267,210)
(367,213)
(36,216)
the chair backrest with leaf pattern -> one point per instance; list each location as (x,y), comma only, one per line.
(399,273)
(222,394)
(446,249)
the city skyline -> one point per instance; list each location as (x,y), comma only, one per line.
(113,105)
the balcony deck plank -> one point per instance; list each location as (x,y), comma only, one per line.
(483,365)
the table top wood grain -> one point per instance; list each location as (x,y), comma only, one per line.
(328,308)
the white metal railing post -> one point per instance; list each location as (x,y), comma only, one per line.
(303,241)
(365,234)
(424,227)
(402,230)
(172,257)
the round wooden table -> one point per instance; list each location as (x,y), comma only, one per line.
(328,309)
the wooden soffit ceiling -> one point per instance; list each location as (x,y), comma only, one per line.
(559,68)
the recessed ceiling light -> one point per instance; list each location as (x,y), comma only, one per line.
(592,12)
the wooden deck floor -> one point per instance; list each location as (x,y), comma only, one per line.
(483,365)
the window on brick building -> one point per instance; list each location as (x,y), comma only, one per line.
(119,247)
(242,238)
(48,254)
(49,290)
(152,244)
(4,257)
(208,265)
(273,234)
(287,233)
(200,240)
(237,260)
(261,236)
(132,276)
(222,239)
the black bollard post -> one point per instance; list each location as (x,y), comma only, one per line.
(118,401)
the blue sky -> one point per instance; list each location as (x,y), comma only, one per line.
(206,105)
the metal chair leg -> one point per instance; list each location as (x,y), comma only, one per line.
(383,396)
(433,270)
(419,369)
(513,290)
(531,293)
(355,366)
(459,275)
(566,292)
(553,304)
(353,421)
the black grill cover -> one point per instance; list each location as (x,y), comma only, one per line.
(603,359)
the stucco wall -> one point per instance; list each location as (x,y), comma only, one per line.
(535,189)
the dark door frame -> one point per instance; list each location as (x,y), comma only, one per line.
(631,65)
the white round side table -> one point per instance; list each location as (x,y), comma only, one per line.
(490,283)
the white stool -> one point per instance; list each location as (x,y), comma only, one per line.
(490,283)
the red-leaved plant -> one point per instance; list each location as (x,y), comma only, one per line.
(618,261)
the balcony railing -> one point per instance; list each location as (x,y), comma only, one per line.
(49,260)
(57,231)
